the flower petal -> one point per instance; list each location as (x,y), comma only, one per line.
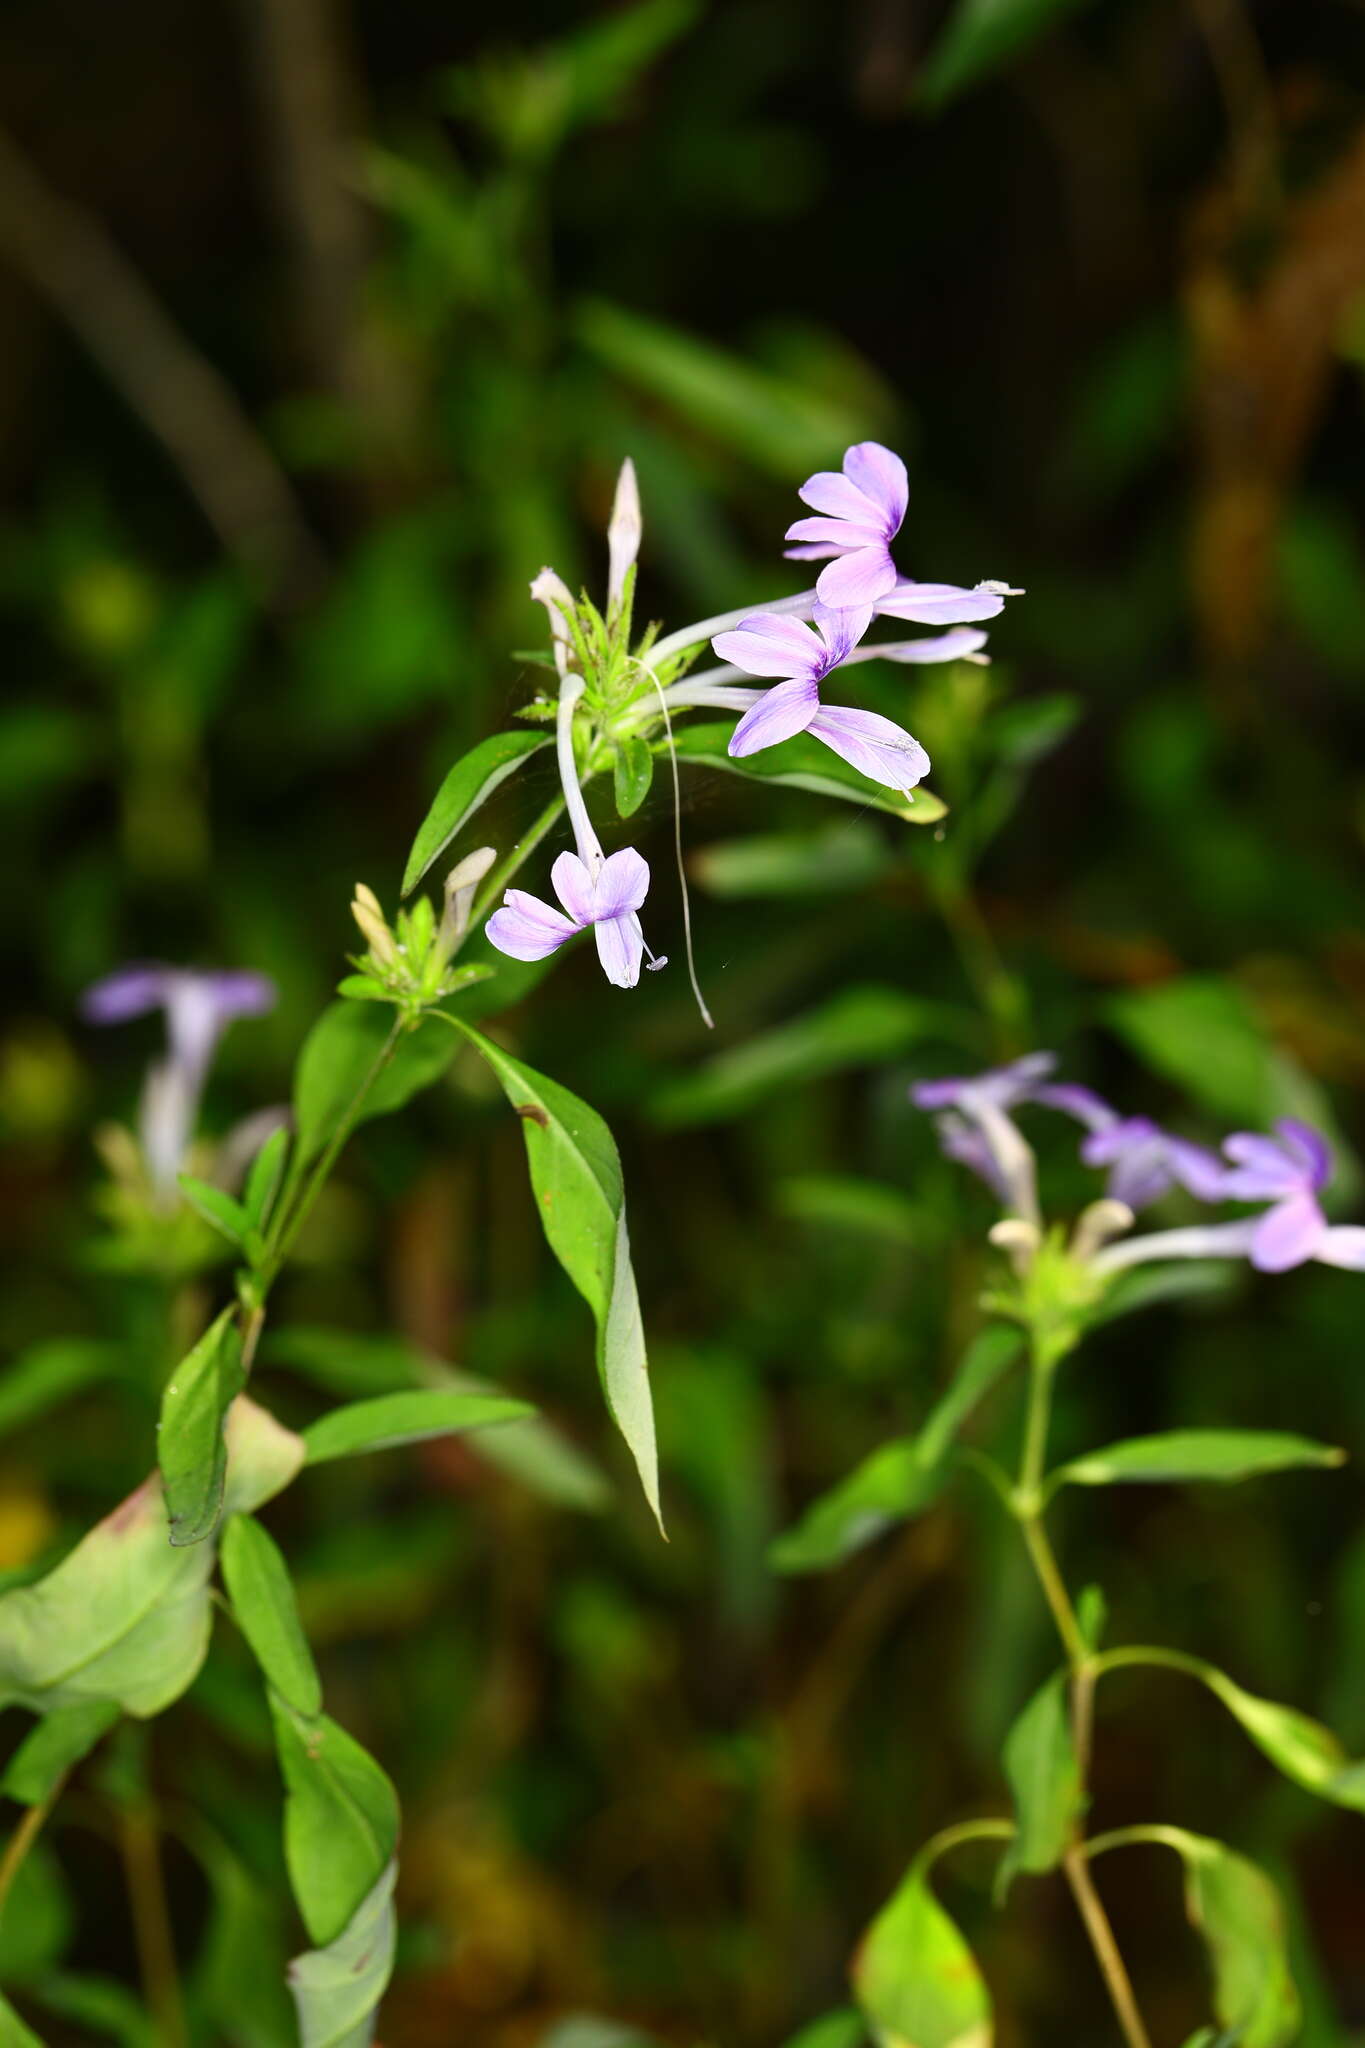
(770,645)
(1290,1233)
(809,554)
(1200,1172)
(1342,1245)
(1309,1148)
(527,929)
(1262,1171)
(875,746)
(840,535)
(958,645)
(1072,1098)
(829,491)
(777,715)
(856,579)
(840,632)
(881,476)
(622,885)
(127,992)
(572,882)
(620,948)
(942,604)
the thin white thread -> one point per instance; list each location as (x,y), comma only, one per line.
(707,1019)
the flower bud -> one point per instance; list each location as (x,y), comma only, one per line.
(461,883)
(374,930)
(623,536)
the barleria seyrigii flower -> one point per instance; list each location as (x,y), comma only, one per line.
(859,512)
(199,1005)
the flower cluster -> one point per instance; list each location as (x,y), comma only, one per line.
(794,644)
(1285,1174)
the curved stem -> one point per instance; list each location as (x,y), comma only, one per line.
(947,1839)
(23,1838)
(141,1850)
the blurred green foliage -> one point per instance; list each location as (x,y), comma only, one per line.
(1099,273)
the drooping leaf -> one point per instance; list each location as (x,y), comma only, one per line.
(1306,1752)
(191,1448)
(1235,1908)
(1045,1777)
(340,1819)
(1196,1454)
(337,1988)
(803,763)
(408,1418)
(266,1610)
(576,1177)
(123,1618)
(341,1051)
(915,1978)
(858,1027)
(632,774)
(978,37)
(55,1747)
(900,1478)
(469,783)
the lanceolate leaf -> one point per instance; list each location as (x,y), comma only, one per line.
(267,1613)
(123,1618)
(340,1819)
(1196,1454)
(1045,1778)
(470,782)
(576,1176)
(191,1449)
(915,1978)
(54,1747)
(405,1419)
(216,1207)
(901,1477)
(803,763)
(337,1989)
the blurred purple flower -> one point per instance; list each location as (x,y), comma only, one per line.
(771,645)
(528,929)
(1289,1171)
(199,1006)
(861,509)
(1003,1087)
(1146,1162)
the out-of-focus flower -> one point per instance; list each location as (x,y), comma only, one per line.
(1289,1171)
(199,1006)
(860,512)
(1146,1162)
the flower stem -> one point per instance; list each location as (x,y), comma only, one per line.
(293,1223)
(1027,1504)
(141,1850)
(23,1838)
(502,874)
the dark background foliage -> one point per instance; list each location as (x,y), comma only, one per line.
(324,328)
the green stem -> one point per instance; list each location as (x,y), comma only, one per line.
(1134,1837)
(502,874)
(291,1225)
(962,1831)
(23,1838)
(1028,1511)
(141,1850)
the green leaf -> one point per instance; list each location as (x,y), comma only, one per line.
(405,1419)
(858,1027)
(1234,1907)
(1307,1753)
(803,763)
(263,1457)
(1044,1775)
(632,773)
(830,862)
(900,1478)
(1195,1454)
(101,2004)
(576,1177)
(55,1747)
(37,1921)
(40,1378)
(124,1618)
(840,2029)
(1201,1032)
(13,2032)
(263,1181)
(340,1051)
(981,35)
(915,1978)
(191,1447)
(340,1819)
(267,1613)
(470,783)
(216,1207)
(337,1989)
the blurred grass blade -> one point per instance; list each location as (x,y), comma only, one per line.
(38,1379)
(58,1743)
(978,37)
(409,1418)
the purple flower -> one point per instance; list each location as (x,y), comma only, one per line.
(1003,1087)
(1147,1162)
(770,645)
(528,929)
(860,515)
(943,604)
(1289,1171)
(978,1130)
(962,643)
(199,1007)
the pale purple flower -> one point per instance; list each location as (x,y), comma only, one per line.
(609,901)
(199,1007)
(771,645)
(1289,1171)
(943,604)
(979,1131)
(1146,1162)
(860,512)
(1004,1087)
